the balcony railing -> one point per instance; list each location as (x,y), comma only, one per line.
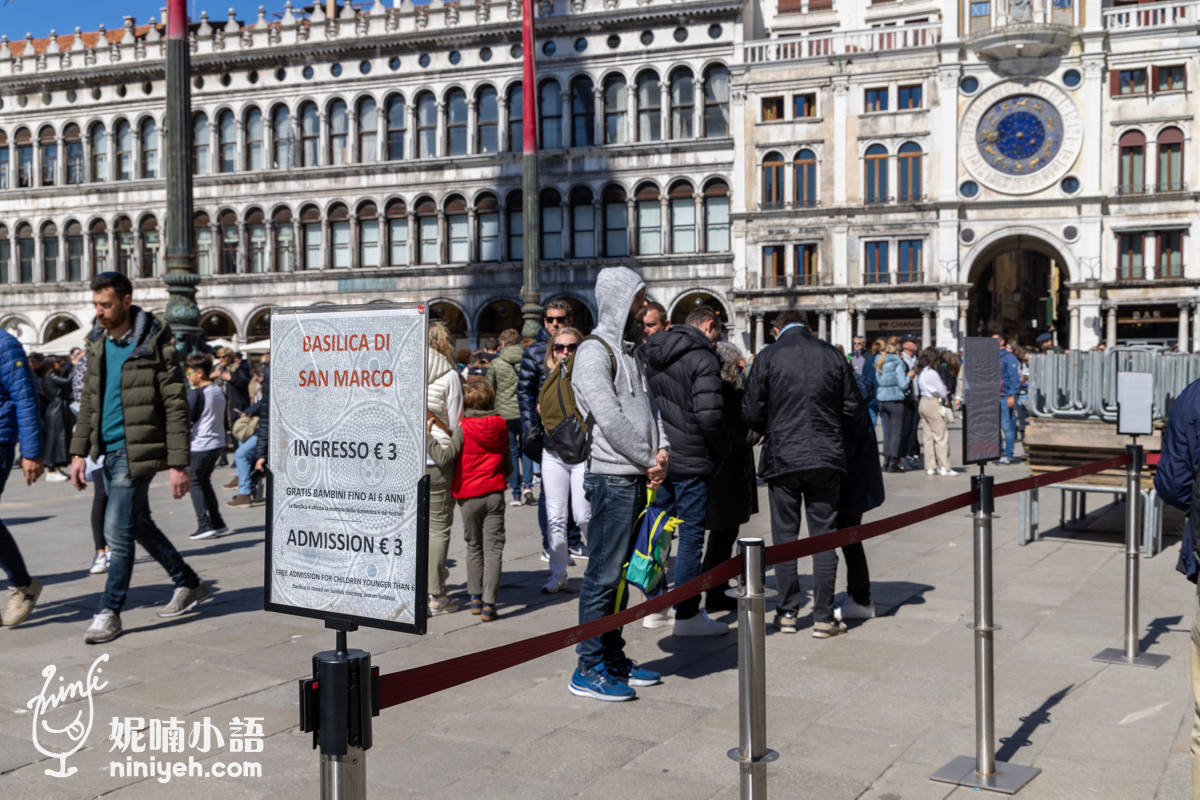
(773,282)
(836,43)
(871,278)
(1131,188)
(1152,15)
(1169,188)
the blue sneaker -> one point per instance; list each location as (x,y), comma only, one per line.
(627,671)
(598,683)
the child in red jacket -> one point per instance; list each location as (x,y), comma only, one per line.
(484,462)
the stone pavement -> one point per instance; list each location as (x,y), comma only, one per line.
(867,715)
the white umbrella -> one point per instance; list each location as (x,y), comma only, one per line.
(62,345)
(261,346)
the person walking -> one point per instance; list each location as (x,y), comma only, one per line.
(800,396)
(59,419)
(892,378)
(562,483)
(502,377)
(479,455)
(444,399)
(1010,387)
(206,403)
(933,392)
(19,422)
(134,413)
(733,490)
(685,379)
(629,453)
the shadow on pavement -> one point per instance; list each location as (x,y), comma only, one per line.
(1158,627)
(1020,737)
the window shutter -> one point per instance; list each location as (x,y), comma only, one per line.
(1114,80)
(1154,79)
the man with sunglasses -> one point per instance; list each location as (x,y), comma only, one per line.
(529,384)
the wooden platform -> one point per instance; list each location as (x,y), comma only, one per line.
(1054,444)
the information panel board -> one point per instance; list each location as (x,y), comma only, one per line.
(1135,403)
(981,398)
(347,497)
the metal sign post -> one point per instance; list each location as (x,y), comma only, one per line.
(984,771)
(751,753)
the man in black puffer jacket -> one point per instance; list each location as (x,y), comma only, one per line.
(685,379)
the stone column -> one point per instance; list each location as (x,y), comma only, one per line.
(381,152)
(631,226)
(502,213)
(472,127)
(354,254)
(664,218)
(412,239)
(60,167)
(568,230)
(664,107)
(631,115)
(822,326)
(472,236)
(598,114)
(410,132)
(926,328)
(701,229)
(1110,336)
(113,171)
(698,96)
(269,247)
(64,257)
(758,333)
(443,237)
(568,119)
(138,267)
(1196,331)
(239,151)
(323,154)
(598,231)
(502,113)
(216,265)
(1184,327)
(962,325)
(243,245)
(441,149)
(1073,312)
(861,323)
(352,136)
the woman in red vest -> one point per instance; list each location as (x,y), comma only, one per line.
(484,462)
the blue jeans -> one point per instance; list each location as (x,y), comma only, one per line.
(686,498)
(126,520)
(522,474)
(616,502)
(1008,424)
(10,554)
(243,460)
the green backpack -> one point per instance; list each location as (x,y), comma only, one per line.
(566,434)
(652,546)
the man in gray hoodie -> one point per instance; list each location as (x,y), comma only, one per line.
(629,451)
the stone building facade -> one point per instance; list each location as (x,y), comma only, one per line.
(932,167)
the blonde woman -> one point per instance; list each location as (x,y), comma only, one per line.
(445,409)
(892,377)
(562,484)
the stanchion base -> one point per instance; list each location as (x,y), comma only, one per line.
(736,755)
(1116,655)
(1008,778)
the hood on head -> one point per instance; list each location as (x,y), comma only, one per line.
(615,289)
(512,354)
(666,347)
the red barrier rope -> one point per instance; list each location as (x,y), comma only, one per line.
(401,687)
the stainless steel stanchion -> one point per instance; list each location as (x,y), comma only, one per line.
(1133,527)
(984,771)
(751,753)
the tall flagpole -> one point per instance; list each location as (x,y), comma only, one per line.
(531,292)
(182,312)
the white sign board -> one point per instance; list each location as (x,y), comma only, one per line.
(1135,403)
(346,535)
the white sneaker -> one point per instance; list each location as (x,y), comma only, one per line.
(931,472)
(946,472)
(105,627)
(516,501)
(546,558)
(55,477)
(99,564)
(659,619)
(852,610)
(555,585)
(700,625)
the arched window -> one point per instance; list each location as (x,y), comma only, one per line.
(24,142)
(649,107)
(397,122)
(875,189)
(150,246)
(339,132)
(339,233)
(583,112)
(616,110)
(368,131)
(716,101)
(683,104)
(284,138)
(457,230)
(772,180)
(226,142)
(49,147)
(550,109)
(552,224)
(456,123)
(516,225)
(99,154)
(202,227)
(285,240)
(100,248)
(73,144)
(487,218)
(806,179)
(426,126)
(649,220)
(583,223)
(256,244)
(200,144)
(1170,160)
(683,217)
(616,221)
(25,252)
(229,242)
(487,134)
(427,232)
(516,120)
(909,165)
(310,220)
(149,149)
(1133,163)
(254,140)
(74,251)
(310,135)
(50,252)
(716,216)
(368,235)
(397,219)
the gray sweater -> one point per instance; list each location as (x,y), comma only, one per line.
(627,433)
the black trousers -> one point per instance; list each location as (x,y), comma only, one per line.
(817,491)
(893,413)
(204,499)
(858,576)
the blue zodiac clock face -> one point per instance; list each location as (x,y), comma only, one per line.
(1020,135)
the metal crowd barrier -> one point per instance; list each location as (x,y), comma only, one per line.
(1083,385)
